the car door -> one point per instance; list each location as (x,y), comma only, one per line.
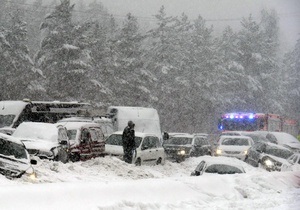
(85,144)
(254,154)
(148,149)
(97,141)
(201,147)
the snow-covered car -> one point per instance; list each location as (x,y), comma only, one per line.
(256,137)
(14,158)
(292,164)
(148,148)
(282,138)
(86,140)
(286,140)
(179,146)
(218,165)
(268,156)
(233,146)
(44,140)
(183,145)
(104,122)
(7,130)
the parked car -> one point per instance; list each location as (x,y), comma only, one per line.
(148,148)
(292,164)
(200,146)
(286,140)
(179,146)
(86,140)
(234,146)
(268,156)
(104,122)
(14,158)
(7,130)
(44,140)
(218,165)
(282,138)
(256,137)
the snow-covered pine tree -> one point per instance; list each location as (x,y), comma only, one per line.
(291,80)
(62,55)
(17,71)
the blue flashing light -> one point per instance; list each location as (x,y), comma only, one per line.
(251,116)
(231,116)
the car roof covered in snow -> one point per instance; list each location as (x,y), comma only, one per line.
(78,125)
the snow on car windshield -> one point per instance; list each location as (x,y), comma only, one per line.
(278,152)
(6,120)
(72,134)
(179,140)
(8,148)
(236,141)
(223,169)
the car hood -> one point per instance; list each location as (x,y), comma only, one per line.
(177,147)
(39,144)
(13,167)
(233,148)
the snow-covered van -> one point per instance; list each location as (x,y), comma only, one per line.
(146,120)
(13,113)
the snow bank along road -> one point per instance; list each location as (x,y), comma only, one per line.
(109,183)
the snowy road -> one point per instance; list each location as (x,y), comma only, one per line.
(109,183)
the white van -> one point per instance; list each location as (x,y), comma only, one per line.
(146,120)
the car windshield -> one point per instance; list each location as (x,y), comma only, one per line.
(282,153)
(222,169)
(116,139)
(8,148)
(6,120)
(179,140)
(201,141)
(235,141)
(72,134)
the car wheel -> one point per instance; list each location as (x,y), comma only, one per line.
(158,161)
(75,157)
(62,156)
(138,162)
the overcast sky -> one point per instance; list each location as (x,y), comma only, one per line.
(218,13)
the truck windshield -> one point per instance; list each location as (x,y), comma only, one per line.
(240,124)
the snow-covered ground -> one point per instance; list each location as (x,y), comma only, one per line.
(109,183)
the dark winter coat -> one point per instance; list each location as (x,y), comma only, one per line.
(128,138)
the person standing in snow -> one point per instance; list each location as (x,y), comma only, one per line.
(128,142)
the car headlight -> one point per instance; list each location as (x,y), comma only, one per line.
(31,174)
(181,152)
(269,163)
(218,151)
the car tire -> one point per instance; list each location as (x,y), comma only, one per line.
(62,156)
(75,157)
(138,162)
(159,161)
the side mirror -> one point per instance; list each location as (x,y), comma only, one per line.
(33,162)
(64,142)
